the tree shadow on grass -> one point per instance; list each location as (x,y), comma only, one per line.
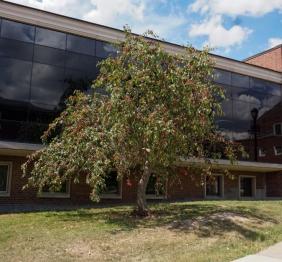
(202,219)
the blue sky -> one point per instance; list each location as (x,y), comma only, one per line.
(234,28)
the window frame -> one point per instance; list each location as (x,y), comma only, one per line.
(7,193)
(275,151)
(56,194)
(254,187)
(274,128)
(262,152)
(114,196)
(154,196)
(222,188)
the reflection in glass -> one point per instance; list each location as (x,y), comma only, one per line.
(104,49)
(50,38)
(14,79)
(49,55)
(264,86)
(80,45)
(17,31)
(48,84)
(16,49)
(240,80)
(222,77)
(81,62)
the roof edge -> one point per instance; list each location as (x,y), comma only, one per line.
(262,53)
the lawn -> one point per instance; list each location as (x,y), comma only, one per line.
(186,231)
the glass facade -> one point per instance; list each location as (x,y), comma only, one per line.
(245,95)
(39,69)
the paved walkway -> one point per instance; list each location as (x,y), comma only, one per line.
(272,254)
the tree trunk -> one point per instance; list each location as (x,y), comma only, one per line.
(142,208)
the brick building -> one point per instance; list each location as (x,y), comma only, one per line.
(43,56)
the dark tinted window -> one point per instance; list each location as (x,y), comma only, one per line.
(266,87)
(50,38)
(42,113)
(14,79)
(3,178)
(222,77)
(11,110)
(49,55)
(242,120)
(15,131)
(80,45)
(48,84)
(240,80)
(81,62)
(16,49)
(18,31)
(104,49)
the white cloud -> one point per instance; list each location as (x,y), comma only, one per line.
(110,11)
(140,15)
(217,34)
(274,42)
(237,7)
(215,12)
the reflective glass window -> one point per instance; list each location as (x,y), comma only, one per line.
(43,113)
(50,38)
(14,130)
(48,85)
(17,31)
(13,110)
(49,55)
(266,87)
(222,77)
(16,49)
(242,120)
(271,101)
(14,79)
(240,80)
(81,62)
(104,49)
(80,45)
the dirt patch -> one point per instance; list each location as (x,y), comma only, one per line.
(83,251)
(217,219)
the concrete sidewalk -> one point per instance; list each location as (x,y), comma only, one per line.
(272,254)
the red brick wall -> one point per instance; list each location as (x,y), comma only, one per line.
(274,185)
(271,59)
(182,186)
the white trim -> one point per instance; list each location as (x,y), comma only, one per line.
(222,188)
(114,196)
(254,187)
(78,27)
(275,151)
(18,149)
(258,167)
(56,194)
(261,152)
(7,193)
(154,196)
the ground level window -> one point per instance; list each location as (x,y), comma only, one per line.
(63,192)
(155,189)
(278,150)
(112,186)
(4,179)
(214,186)
(247,186)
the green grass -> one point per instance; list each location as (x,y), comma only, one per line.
(188,231)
